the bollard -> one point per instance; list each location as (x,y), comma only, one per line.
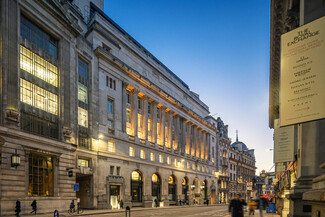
(18,208)
(56,213)
(126,211)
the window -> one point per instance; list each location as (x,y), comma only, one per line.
(40,175)
(139,103)
(161,158)
(158,114)
(152,156)
(193,166)
(111,171)
(198,168)
(82,93)
(118,171)
(128,97)
(139,121)
(38,97)
(83,163)
(111,146)
(188,165)
(83,138)
(175,162)
(207,169)
(109,106)
(142,154)
(131,151)
(168,160)
(128,116)
(36,65)
(82,117)
(149,129)
(110,124)
(203,169)
(149,108)
(83,70)
(37,36)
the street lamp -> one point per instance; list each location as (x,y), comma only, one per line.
(15,159)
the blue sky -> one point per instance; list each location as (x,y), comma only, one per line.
(219,48)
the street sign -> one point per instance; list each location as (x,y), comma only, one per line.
(284,143)
(76,187)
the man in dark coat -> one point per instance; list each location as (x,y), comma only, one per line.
(262,204)
(236,206)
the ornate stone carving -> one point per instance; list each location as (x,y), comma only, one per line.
(12,115)
(115,179)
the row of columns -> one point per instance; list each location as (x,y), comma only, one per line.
(167,128)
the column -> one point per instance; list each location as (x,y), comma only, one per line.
(176,130)
(197,133)
(154,122)
(145,118)
(178,134)
(193,129)
(162,125)
(209,147)
(183,133)
(188,140)
(134,112)
(170,129)
(124,85)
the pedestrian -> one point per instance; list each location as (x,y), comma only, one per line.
(121,204)
(252,207)
(262,204)
(156,203)
(236,206)
(34,206)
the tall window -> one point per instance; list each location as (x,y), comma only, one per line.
(131,151)
(136,186)
(142,154)
(37,36)
(168,160)
(40,176)
(139,103)
(109,124)
(82,70)
(161,158)
(38,97)
(149,129)
(82,117)
(36,65)
(82,93)
(111,171)
(111,146)
(109,106)
(128,121)
(149,108)
(128,97)
(152,156)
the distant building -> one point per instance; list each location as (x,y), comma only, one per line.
(242,169)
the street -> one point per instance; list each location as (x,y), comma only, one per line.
(199,211)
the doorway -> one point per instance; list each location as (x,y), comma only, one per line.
(213,196)
(114,191)
(84,193)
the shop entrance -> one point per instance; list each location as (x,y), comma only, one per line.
(185,189)
(114,191)
(84,193)
(213,196)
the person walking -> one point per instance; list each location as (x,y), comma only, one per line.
(262,204)
(252,207)
(236,206)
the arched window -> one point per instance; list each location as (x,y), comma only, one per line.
(136,186)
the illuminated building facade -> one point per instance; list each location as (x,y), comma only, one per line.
(242,170)
(83,102)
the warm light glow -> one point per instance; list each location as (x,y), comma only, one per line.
(135,176)
(142,154)
(38,97)
(36,65)
(111,146)
(82,117)
(131,151)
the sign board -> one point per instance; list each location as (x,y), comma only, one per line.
(249,186)
(302,89)
(284,144)
(76,187)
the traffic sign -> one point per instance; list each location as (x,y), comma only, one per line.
(76,187)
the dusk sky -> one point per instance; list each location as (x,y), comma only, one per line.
(220,49)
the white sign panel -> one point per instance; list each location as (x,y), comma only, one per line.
(284,144)
(302,89)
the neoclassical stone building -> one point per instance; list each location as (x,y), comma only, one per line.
(242,170)
(83,102)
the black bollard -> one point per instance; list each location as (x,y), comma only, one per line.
(126,211)
(56,213)
(18,208)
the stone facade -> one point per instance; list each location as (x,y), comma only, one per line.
(300,189)
(83,102)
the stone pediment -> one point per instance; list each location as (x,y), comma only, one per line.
(115,179)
